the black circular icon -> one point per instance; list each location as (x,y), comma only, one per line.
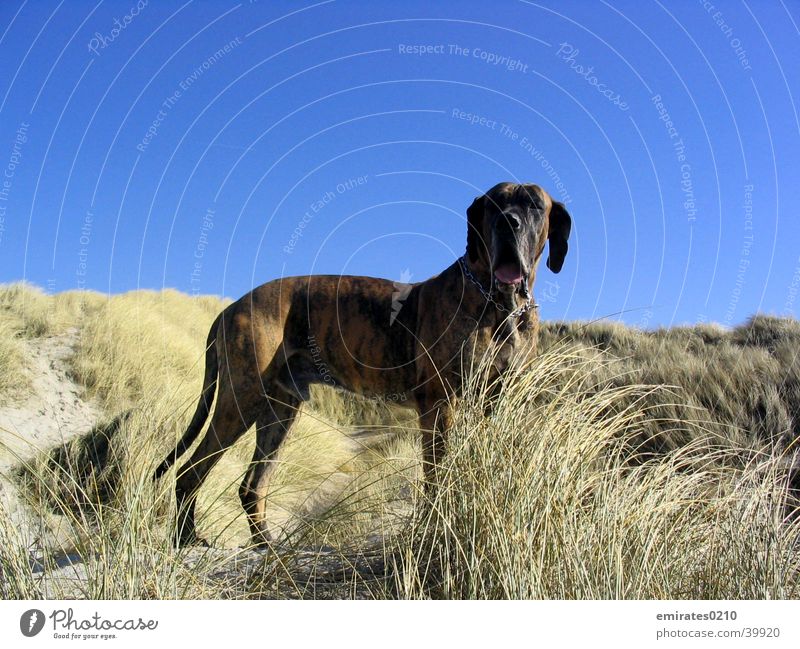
(31,622)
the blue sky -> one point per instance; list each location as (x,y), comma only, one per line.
(213,146)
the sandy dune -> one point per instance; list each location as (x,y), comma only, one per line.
(52,413)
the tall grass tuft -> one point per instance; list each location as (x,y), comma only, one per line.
(14,379)
(546,498)
(30,313)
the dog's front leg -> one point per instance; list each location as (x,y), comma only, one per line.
(435,417)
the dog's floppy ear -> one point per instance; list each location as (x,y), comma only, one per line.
(475,228)
(560,226)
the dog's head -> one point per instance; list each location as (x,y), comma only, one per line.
(508,228)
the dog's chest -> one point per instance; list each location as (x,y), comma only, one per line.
(501,339)
(469,344)
(457,335)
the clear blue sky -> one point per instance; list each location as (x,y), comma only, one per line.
(181,144)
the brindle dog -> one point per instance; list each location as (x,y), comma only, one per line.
(266,349)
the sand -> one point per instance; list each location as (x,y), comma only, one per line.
(51,413)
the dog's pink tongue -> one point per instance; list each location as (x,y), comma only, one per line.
(508,273)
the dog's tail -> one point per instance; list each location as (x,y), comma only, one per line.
(203,406)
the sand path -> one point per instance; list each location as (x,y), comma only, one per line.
(52,413)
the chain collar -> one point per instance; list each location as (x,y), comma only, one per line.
(516,313)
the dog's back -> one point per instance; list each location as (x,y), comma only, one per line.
(356,333)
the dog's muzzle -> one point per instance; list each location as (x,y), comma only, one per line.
(509,274)
(508,270)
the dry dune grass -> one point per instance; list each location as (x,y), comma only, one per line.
(30,313)
(12,363)
(736,388)
(618,463)
(550,500)
(26,312)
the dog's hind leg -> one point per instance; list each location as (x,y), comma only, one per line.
(231,420)
(271,427)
